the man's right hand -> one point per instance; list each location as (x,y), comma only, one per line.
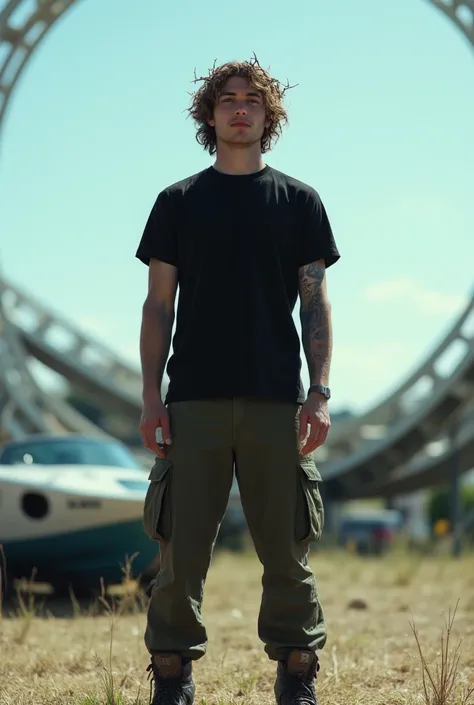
(155,415)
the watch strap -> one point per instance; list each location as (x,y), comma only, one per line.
(321,389)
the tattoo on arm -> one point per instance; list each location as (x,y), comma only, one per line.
(315,316)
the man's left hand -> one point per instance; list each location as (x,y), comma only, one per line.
(313,414)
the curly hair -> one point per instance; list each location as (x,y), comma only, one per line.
(205,98)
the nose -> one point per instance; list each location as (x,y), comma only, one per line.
(241,110)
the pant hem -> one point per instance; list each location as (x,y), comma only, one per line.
(281,653)
(186,654)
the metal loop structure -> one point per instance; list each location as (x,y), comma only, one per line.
(24,406)
(82,360)
(23,24)
(461,12)
(387,450)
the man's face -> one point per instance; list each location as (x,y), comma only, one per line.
(239,114)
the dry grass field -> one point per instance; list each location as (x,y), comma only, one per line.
(94,656)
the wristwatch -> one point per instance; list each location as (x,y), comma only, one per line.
(321,389)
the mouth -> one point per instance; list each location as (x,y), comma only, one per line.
(239,123)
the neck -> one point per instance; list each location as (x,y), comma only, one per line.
(246,160)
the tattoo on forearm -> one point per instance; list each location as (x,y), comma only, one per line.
(315,319)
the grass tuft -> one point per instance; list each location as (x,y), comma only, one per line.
(441,683)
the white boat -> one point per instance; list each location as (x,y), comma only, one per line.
(71,509)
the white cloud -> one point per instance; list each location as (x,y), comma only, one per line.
(383,357)
(421,300)
(363,374)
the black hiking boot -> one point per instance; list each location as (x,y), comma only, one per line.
(294,684)
(173,680)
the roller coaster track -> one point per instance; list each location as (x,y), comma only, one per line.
(24,407)
(81,359)
(365,455)
(371,458)
(435,464)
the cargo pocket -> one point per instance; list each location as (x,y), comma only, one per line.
(309,507)
(157,507)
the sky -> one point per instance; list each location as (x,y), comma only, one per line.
(380,125)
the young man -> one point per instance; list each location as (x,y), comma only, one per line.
(242,240)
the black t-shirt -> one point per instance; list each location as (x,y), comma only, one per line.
(237,242)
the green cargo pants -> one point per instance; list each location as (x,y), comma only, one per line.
(185,504)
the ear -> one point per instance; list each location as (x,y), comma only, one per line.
(211,123)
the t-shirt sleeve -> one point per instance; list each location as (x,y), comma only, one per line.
(317,239)
(159,238)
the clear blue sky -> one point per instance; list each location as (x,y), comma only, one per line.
(380,124)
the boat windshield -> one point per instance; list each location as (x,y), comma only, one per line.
(66,451)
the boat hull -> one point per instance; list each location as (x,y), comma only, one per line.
(85,557)
(74,526)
